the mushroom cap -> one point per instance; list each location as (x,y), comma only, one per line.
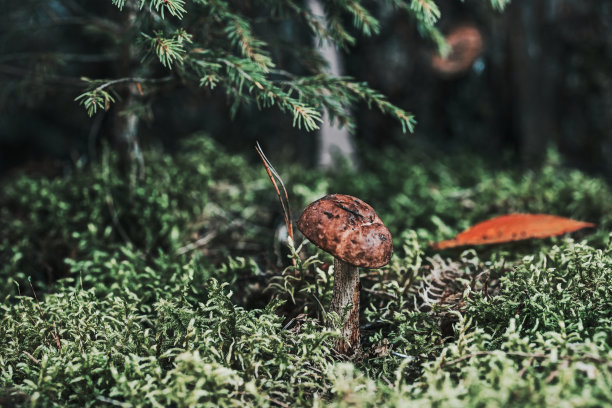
(466,46)
(349,229)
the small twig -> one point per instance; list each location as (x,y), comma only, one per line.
(277,402)
(131,79)
(524,369)
(197,244)
(57,338)
(316,370)
(485,288)
(42,315)
(31,357)
(404,356)
(389,383)
(237,68)
(288,325)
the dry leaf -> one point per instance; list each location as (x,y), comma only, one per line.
(513,227)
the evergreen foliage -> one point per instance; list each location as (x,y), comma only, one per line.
(262,52)
(151,321)
(215,43)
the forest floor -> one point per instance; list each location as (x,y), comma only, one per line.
(175,290)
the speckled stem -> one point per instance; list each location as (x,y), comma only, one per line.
(346,293)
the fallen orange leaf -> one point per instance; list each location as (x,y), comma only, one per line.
(513,227)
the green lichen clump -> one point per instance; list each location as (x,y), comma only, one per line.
(134,307)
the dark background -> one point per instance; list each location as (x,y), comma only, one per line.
(544,80)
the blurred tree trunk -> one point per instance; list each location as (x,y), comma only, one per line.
(334,142)
(126,120)
(534,76)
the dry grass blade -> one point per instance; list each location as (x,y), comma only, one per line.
(284,201)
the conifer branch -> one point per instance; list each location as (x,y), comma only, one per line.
(316,24)
(362,19)
(227,52)
(425,11)
(176,8)
(241,74)
(99,98)
(169,50)
(240,34)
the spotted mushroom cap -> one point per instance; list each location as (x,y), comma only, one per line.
(349,229)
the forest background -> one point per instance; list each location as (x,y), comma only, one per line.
(143,256)
(543,80)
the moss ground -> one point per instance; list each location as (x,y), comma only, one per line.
(174,291)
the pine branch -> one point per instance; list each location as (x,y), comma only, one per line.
(316,24)
(303,97)
(330,27)
(346,93)
(176,8)
(240,34)
(338,33)
(169,50)
(227,53)
(362,19)
(372,97)
(426,14)
(119,3)
(243,73)
(99,98)
(425,11)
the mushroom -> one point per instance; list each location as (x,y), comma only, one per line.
(466,46)
(350,230)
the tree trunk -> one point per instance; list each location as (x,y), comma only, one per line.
(126,120)
(125,130)
(345,295)
(533,86)
(334,142)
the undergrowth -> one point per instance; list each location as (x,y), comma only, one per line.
(172,291)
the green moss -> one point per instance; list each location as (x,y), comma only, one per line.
(133,313)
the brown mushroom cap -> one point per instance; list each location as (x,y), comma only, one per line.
(466,46)
(349,229)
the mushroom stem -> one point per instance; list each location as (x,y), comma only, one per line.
(345,294)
